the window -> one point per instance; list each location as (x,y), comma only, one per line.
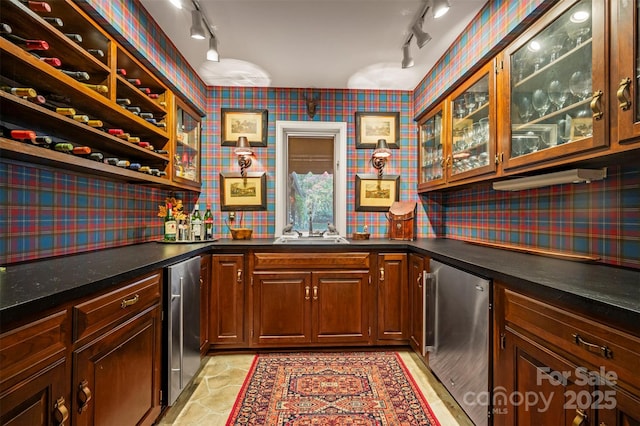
(310,176)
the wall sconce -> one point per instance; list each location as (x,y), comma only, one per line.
(380,156)
(244,152)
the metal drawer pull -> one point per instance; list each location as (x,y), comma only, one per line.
(623,90)
(381,274)
(129,302)
(315,292)
(580,419)
(84,396)
(592,347)
(595,105)
(306,293)
(419,280)
(239,279)
(60,412)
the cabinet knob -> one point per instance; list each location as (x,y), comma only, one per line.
(60,412)
(596,106)
(623,94)
(84,396)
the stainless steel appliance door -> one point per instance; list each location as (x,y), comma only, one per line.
(183,325)
(459,339)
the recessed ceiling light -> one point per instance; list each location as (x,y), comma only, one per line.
(534,46)
(579,16)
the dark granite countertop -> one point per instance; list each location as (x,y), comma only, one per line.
(601,291)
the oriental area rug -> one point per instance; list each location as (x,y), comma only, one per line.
(330,389)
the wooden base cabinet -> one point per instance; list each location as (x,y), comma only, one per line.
(205,279)
(311,299)
(555,367)
(393,299)
(227,301)
(418,267)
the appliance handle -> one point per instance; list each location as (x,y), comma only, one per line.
(181,334)
(431,333)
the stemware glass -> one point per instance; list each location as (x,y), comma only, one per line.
(563,131)
(579,34)
(580,85)
(556,44)
(525,108)
(541,102)
(470,100)
(558,93)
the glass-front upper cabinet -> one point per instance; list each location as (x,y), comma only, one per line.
(555,86)
(472,147)
(432,151)
(627,77)
(186,156)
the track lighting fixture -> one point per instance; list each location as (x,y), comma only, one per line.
(212,53)
(440,7)
(407,60)
(422,37)
(197,31)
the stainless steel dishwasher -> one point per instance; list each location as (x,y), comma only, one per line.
(457,336)
(183,325)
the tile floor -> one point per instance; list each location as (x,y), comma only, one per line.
(211,395)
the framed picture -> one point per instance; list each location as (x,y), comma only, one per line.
(243,193)
(371,126)
(376,194)
(251,123)
(533,137)
(581,128)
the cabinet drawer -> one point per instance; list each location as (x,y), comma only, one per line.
(594,344)
(310,260)
(133,297)
(27,349)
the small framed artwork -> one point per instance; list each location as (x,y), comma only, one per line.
(243,193)
(251,123)
(581,128)
(376,194)
(371,126)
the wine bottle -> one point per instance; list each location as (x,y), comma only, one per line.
(63,147)
(161,151)
(121,71)
(25,43)
(133,109)
(134,166)
(161,124)
(196,224)
(146,115)
(144,90)
(100,88)
(23,92)
(74,37)
(124,136)
(96,156)
(39,100)
(144,169)
(133,139)
(45,141)
(111,160)
(154,95)
(56,22)
(54,62)
(170,224)
(37,6)
(123,163)
(69,112)
(208,224)
(21,135)
(143,144)
(78,75)
(81,150)
(154,171)
(123,101)
(115,132)
(134,81)
(161,173)
(152,121)
(96,52)
(81,118)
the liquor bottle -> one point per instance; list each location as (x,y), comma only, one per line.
(74,37)
(96,52)
(56,22)
(100,88)
(196,224)
(37,6)
(25,43)
(78,75)
(170,225)
(208,224)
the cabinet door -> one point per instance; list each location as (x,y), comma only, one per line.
(627,77)
(432,151)
(473,138)
(535,386)
(554,87)
(186,152)
(393,298)
(618,407)
(340,311)
(282,308)
(417,269)
(205,283)
(116,378)
(226,322)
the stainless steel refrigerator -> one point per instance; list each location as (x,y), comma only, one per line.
(183,325)
(457,336)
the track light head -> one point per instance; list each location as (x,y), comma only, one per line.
(407,60)
(212,53)
(440,7)
(197,30)
(422,37)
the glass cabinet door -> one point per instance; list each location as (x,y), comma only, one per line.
(556,82)
(472,141)
(628,76)
(432,151)
(186,158)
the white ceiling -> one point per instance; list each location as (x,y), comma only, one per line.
(354,44)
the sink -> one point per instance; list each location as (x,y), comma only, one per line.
(320,240)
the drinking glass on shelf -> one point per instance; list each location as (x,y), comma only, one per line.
(481,98)
(556,45)
(558,93)
(541,102)
(520,66)
(470,101)
(459,109)
(484,129)
(580,85)
(564,132)
(579,34)
(525,108)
